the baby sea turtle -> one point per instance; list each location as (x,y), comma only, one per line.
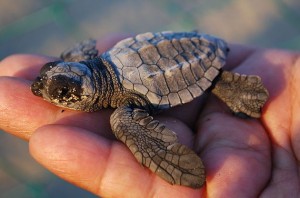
(143,75)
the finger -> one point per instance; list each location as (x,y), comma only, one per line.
(19,107)
(22,112)
(15,97)
(237,55)
(282,119)
(24,66)
(33,112)
(100,166)
(235,152)
(109,41)
(27,66)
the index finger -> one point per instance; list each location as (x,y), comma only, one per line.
(27,66)
(237,55)
(22,112)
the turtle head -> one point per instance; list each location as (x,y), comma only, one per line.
(66,84)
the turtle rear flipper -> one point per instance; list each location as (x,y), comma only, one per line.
(242,94)
(85,50)
(157,147)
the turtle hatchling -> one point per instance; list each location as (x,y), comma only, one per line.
(143,75)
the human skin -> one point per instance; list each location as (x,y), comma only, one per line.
(243,157)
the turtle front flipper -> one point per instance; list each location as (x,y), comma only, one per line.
(85,50)
(157,147)
(242,93)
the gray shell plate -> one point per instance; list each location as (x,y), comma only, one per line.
(168,68)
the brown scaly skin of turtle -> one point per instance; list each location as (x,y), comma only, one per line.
(87,82)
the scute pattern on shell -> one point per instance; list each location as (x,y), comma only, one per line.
(168,68)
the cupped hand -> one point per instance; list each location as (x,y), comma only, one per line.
(243,157)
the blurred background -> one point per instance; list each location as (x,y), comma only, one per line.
(49,26)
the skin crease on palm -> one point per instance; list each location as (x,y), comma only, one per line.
(243,157)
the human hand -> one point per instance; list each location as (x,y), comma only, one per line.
(243,158)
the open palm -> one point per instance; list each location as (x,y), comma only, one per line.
(243,157)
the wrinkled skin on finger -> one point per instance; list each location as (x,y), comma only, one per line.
(243,157)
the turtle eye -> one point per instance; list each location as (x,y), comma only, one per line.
(37,86)
(64,88)
(62,92)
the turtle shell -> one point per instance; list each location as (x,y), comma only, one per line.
(168,68)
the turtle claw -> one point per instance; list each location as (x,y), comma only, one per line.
(242,93)
(85,50)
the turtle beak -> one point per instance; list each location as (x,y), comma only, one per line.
(37,87)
